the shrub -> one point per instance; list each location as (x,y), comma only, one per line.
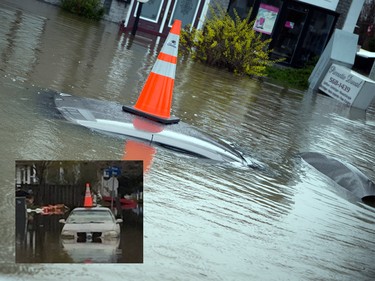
(291,77)
(227,43)
(91,9)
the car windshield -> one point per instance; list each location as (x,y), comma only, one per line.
(90,216)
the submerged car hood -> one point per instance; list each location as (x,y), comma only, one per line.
(109,117)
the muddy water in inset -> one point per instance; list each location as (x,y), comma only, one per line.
(202,220)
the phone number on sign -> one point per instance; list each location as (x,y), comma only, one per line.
(339,84)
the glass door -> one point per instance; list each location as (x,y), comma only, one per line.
(319,28)
(292,23)
(188,11)
(152,15)
(157,16)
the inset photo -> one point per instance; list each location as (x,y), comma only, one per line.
(79,211)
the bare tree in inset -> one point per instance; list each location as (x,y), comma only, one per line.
(41,168)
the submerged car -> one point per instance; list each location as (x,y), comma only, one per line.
(96,224)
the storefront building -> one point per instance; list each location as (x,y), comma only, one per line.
(299,30)
(157,16)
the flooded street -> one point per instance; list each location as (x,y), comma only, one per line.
(202,219)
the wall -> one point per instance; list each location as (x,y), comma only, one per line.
(342,9)
(118,11)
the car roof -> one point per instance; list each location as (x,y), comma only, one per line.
(91,209)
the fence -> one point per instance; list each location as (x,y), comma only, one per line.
(69,195)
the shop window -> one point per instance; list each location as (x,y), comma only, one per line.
(241,7)
(151,11)
(317,36)
(291,25)
(185,10)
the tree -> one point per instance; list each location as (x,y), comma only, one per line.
(368,12)
(366,26)
(41,168)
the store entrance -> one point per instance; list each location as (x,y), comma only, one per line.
(293,21)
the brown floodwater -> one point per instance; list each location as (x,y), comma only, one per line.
(202,220)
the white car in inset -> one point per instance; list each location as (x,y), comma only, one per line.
(90,224)
(91,234)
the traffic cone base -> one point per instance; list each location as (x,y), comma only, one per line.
(166,121)
(155,99)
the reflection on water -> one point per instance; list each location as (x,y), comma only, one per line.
(216,222)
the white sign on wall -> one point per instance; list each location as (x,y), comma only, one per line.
(348,86)
(327,4)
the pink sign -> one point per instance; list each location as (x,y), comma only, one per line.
(289,24)
(266,18)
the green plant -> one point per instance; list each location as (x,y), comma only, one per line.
(228,43)
(291,77)
(91,9)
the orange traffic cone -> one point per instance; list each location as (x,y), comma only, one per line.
(88,197)
(155,99)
